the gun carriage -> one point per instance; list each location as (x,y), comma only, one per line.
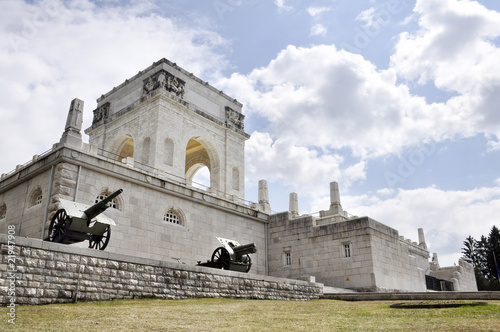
(76,222)
(232,256)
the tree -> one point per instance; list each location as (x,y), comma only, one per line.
(469,251)
(484,254)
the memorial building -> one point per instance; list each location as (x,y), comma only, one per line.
(150,136)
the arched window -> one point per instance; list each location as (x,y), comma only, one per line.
(123,147)
(3,211)
(146,146)
(168,152)
(236,178)
(36,197)
(114,202)
(174,216)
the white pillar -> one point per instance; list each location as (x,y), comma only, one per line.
(421,238)
(72,132)
(294,205)
(335,206)
(264,196)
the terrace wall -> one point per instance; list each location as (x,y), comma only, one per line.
(38,272)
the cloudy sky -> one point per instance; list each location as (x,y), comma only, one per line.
(397,100)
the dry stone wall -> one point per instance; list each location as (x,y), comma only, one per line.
(37,272)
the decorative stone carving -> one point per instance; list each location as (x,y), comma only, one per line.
(101,113)
(164,80)
(235,118)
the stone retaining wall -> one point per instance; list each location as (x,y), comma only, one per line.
(37,272)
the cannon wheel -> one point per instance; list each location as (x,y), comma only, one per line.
(58,225)
(221,258)
(100,241)
(249,264)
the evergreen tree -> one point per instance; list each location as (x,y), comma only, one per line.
(469,251)
(484,254)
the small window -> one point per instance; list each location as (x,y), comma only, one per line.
(171,217)
(36,197)
(113,204)
(347,250)
(3,211)
(174,216)
(287,258)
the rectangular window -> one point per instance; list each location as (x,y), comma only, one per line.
(347,250)
(287,258)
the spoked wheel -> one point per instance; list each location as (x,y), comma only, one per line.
(221,258)
(249,261)
(98,241)
(58,225)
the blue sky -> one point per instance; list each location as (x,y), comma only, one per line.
(397,100)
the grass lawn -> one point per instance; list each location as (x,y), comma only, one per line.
(248,315)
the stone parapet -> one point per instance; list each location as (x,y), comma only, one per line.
(39,272)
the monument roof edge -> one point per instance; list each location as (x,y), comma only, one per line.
(175,66)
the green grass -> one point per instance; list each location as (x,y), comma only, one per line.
(248,315)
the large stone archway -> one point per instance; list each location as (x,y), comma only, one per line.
(199,153)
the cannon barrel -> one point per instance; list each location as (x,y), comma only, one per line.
(245,249)
(101,206)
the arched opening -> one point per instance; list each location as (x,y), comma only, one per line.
(124,147)
(202,160)
(115,202)
(36,197)
(174,216)
(201,178)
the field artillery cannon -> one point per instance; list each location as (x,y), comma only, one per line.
(232,256)
(75,222)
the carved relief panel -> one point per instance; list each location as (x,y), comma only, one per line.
(164,80)
(235,118)
(101,113)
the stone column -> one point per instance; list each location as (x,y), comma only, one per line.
(264,196)
(72,132)
(294,205)
(335,206)
(421,238)
(434,265)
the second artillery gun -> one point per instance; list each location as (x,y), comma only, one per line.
(232,256)
(76,222)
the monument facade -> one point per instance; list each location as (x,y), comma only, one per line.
(150,136)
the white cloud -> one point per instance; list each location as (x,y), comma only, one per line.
(324,99)
(285,162)
(367,16)
(281,4)
(54,51)
(332,99)
(447,217)
(356,172)
(454,49)
(318,30)
(316,11)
